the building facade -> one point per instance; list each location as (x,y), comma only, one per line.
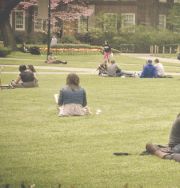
(129,12)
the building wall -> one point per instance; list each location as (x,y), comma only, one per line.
(146,13)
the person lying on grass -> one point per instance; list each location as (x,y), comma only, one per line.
(72,98)
(25,79)
(52,60)
(172,151)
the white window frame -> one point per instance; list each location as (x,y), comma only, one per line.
(23,21)
(38,22)
(162,25)
(163,1)
(80,28)
(115,25)
(129,24)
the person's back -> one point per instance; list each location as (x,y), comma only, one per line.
(149,70)
(72,98)
(75,96)
(112,69)
(27,76)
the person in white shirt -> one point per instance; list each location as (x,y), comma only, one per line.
(53,41)
(159,69)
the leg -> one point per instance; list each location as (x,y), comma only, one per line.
(155,150)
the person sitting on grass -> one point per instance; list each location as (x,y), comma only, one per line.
(52,60)
(33,70)
(25,79)
(172,151)
(159,68)
(113,70)
(102,68)
(72,98)
(149,70)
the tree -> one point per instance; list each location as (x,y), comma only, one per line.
(63,9)
(173,18)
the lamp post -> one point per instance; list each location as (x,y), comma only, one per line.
(49,28)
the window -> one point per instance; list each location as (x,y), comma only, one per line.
(38,23)
(163,1)
(110,22)
(83,24)
(162,21)
(128,19)
(19,20)
(176,1)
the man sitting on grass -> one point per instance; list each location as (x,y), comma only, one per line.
(172,151)
(149,70)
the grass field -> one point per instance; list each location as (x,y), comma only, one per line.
(38,147)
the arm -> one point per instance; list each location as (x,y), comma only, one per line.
(60,99)
(17,80)
(84,99)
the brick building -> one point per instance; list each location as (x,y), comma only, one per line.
(132,12)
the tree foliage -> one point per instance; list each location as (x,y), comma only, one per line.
(173,18)
(63,9)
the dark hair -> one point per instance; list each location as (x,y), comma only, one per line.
(22,68)
(72,80)
(156,60)
(31,68)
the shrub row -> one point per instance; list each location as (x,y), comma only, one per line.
(4,51)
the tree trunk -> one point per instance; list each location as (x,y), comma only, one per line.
(5,8)
(7,35)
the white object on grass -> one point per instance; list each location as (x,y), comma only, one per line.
(98,111)
(56,96)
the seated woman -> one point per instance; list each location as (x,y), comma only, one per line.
(72,98)
(172,151)
(26,78)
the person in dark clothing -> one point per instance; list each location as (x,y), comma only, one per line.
(106,51)
(149,70)
(25,79)
(172,151)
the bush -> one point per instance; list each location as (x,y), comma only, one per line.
(69,39)
(4,51)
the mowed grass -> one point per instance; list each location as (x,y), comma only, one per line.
(125,62)
(38,147)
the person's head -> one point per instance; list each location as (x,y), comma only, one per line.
(31,68)
(156,60)
(72,80)
(22,68)
(149,61)
(113,62)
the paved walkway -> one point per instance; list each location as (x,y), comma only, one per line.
(65,70)
(150,56)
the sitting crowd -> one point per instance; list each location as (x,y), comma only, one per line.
(150,70)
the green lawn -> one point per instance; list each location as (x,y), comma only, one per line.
(38,147)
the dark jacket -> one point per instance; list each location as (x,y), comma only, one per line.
(149,71)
